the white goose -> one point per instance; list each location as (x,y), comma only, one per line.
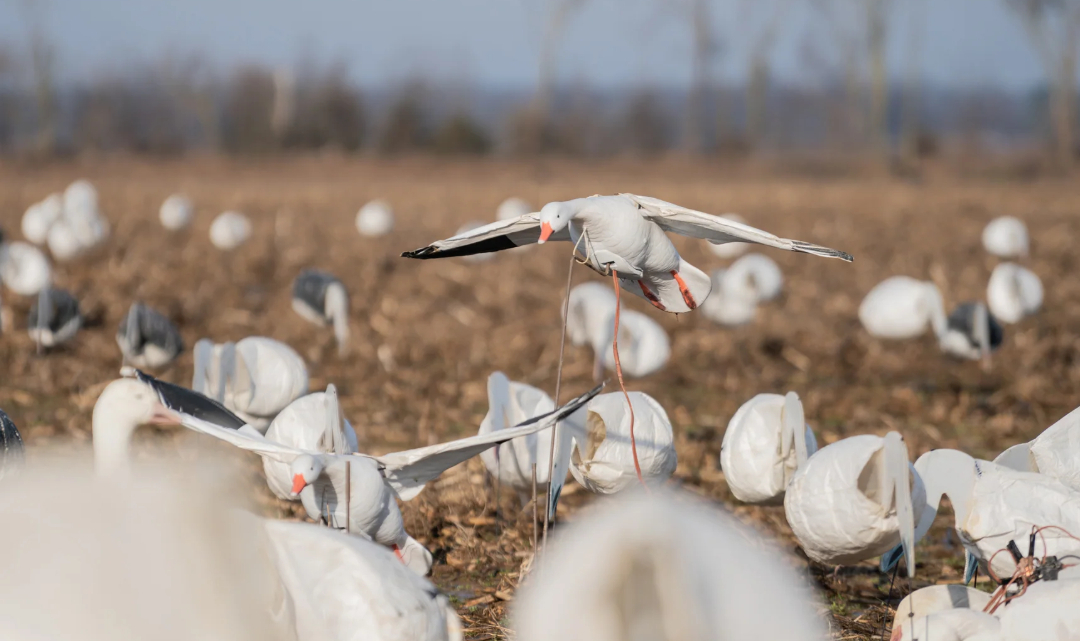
(312,423)
(24,269)
(1006,237)
(659,567)
(1013,293)
(994,505)
(765,443)
(321,298)
(644,347)
(853,500)
(1055,452)
(374,219)
(511,403)
(604,461)
(176,212)
(230,230)
(623,236)
(256,378)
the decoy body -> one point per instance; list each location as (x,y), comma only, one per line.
(322,299)
(853,500)
(659,566)
(11,446)
(24,269)
(176,212)
(54,318)
(256,378)
(971,332)
(1006,237)
(1054,453)
(147,338)
(376,218)
(230,230)
(39,217)
(1013,293)
(739,289)
(765,443)
(624,234)
(644,347)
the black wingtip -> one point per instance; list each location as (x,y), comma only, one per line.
(187,401)
(421,253)
(826,252)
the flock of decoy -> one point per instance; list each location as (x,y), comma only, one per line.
(657,564)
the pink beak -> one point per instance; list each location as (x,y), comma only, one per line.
(162,415)
(545,233)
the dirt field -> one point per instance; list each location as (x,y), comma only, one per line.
(428,333)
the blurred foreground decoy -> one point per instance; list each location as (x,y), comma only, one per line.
(176,212)
(11,446)
(54,318)
(322,299)
(24,269)
(147,338)
(374,219)
(256,378)
(1013,293)
(230,230)
(1006,237)
(663,566)
(39,218)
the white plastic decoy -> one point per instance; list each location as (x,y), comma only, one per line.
(853,501)
(230,230)
(312,423)
(603,461)
(39,218)
(321,298)
(660,567)
(938,598)
(765,443)
(1055,452)
(644,347)
(1006,237)
(24,269)
(1013,293)
(902,307)
(511,403)
(739,289)
(256,378)
(176,212)
(375,218)
(512,207)
(728,251)
(961,624)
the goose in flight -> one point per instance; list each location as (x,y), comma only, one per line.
(623,235)
(147,338)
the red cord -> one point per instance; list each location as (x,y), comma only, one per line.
(618,372)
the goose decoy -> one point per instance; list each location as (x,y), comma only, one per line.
(80,195)
(961,624)
(80,229)
(623,235)
(935,598)
(24,269)
(971,332)
(659,566)
(375,218)
(140,399)
(147,338)
(1006,237)
(644,347)
(176,212)
(901,307)
(728,251)
(11,446)
(604,461)
(319,478)
(735,294)
(765,443)
(54,318)
(230,230)
(322,299)
(994,505)
(1013,293)
(853,499)
(1055,452)
(255,378)
(311,423)
(512,207)
(39,217)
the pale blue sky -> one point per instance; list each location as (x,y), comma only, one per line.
(495,43)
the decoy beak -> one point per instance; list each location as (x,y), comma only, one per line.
(162,415)
(298,484)
(545,233)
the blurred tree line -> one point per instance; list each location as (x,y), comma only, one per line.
(850,104)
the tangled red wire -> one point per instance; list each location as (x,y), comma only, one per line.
(1025,572)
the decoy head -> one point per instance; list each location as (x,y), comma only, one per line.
(122,407)
(553,217)
(305,469)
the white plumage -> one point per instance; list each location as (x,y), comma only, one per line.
(375,218)
(1013,293)
(902,307)
(1054,453)
(176,212)
(24,269)
(511,403)
(644,347)
(40,216)
(1006,237)
(230,230)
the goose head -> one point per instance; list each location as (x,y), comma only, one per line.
(304,470)
(123,406)
(554,217)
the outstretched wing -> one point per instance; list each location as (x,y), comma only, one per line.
(499,235)
(186,401)
(718,231)
(246,438)
(407,472)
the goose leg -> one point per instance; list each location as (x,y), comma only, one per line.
(687,297)
(651,297)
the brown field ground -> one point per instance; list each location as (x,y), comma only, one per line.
(443,326)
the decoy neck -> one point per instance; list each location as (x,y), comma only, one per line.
(122,407)
(945,473)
